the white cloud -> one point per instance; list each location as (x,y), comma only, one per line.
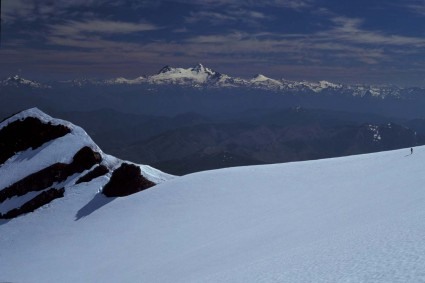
(416,6)
(16,10)
(345,41)
(290,4)
(349,30)
(32,10)
(75,28)
(227,16)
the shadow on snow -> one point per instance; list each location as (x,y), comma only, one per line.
(97,202)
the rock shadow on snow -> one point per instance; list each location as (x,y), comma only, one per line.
(4,221)
(97,202)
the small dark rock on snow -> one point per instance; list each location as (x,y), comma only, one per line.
(126,180)
(98,171)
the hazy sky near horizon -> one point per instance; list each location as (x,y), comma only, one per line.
(381,41)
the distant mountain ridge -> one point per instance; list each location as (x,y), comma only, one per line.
(17,81)
(181,145)
(200,76)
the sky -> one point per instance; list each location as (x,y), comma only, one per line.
(346,41)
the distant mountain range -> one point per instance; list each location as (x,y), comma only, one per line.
(274,137)
(200,76)
(17,81)
(192,142)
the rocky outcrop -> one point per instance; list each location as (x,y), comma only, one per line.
(36,202)
(28,133)
(98,171)
(126,180)
(84,159)
(39,154)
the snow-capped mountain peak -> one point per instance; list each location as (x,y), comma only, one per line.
(191,76)
(165,69)
(199,68)
(264,82)
(260,78)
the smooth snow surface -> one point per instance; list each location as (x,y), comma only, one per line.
(353,219)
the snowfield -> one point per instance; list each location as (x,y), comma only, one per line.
(352,219)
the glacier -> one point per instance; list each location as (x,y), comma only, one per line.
(351,219)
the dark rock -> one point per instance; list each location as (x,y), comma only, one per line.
(28,133)
(96,172)
(38,201)
(126,180)
(84,159)
(35,182)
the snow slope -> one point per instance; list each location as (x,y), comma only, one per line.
(352,219)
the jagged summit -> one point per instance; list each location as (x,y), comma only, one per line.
(165,69)
(199,68)
(195,76)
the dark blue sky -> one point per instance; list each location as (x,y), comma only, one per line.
(374,41)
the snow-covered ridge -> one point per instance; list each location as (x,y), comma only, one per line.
(265,82)
(196,75)
(201,76)
(37,113)
(57,153)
